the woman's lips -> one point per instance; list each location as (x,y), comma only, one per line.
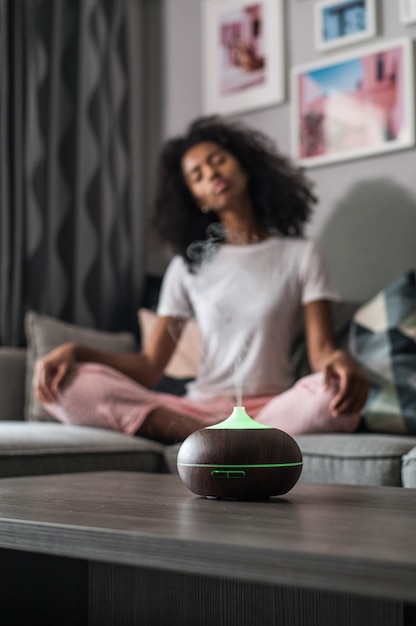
(220,186)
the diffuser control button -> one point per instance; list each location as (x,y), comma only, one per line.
(228,473)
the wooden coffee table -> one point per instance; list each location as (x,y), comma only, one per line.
(128,548)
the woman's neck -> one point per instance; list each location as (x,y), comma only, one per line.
(240,223)
(243,237)
(242,229)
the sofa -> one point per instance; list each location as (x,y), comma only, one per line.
(30,443)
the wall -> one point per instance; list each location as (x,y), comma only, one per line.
(366,218)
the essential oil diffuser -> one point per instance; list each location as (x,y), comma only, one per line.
(239,459)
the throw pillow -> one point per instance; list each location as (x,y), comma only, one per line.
(44,333)
(383,341)
(186,358)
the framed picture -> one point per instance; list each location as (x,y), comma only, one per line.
(408,11)
(344,22)
(243,64)
(355,105)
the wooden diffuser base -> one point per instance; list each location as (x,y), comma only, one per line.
(239,459)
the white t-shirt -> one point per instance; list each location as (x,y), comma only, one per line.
(247,300)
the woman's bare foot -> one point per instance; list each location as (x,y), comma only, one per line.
(169,427)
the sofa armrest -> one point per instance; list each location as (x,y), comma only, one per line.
(12,383)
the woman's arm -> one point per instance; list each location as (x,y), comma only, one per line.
(146,367)
(334,363)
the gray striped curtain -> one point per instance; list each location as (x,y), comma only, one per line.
(71,210)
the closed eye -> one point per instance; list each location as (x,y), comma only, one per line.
(195,177)
(217,159)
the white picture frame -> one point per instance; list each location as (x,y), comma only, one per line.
(242,55)
(354,105)
(407,11)
(344,22)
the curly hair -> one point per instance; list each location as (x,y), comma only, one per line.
(281,195)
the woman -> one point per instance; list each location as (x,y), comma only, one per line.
(233,210)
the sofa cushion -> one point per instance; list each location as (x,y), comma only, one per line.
(44,333)
(47,448)
(383,340)
(409,469)
(356,459)
(185,360)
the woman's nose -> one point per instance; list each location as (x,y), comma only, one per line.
(211,171)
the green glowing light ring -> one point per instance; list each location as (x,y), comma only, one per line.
(242,466)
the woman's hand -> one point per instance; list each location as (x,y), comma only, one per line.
(337,365)
(352,384)
(51,371)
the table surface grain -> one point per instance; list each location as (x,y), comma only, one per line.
(335,537)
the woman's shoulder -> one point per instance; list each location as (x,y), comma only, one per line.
(175,270)
(295,245)
(297,252)
(176,264)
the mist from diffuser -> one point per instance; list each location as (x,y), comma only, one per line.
(240,459)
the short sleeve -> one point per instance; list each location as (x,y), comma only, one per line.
(315,277)
(174,299)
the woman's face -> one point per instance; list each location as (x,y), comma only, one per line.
(214,176)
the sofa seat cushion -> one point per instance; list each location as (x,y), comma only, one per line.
(409,469)
(357,459)
(50,448)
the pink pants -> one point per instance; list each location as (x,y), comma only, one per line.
(97,395)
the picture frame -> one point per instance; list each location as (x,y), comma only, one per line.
(242,55)
(407,11)
(354,105)
(344,22)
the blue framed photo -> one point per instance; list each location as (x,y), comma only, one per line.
(344,22)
